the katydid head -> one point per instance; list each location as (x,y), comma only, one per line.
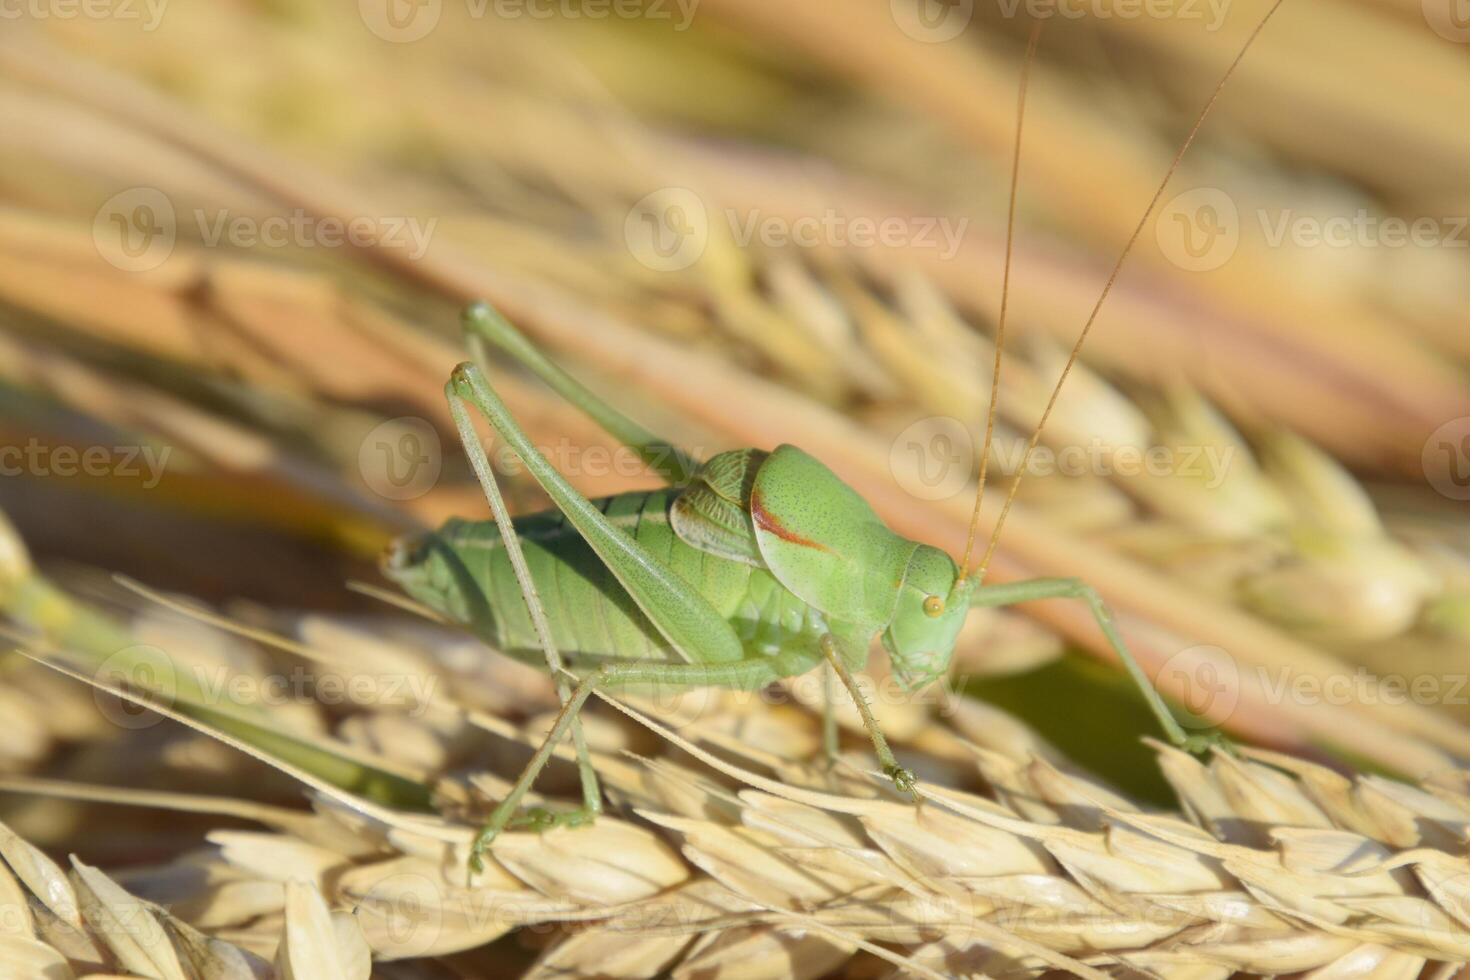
(932,603)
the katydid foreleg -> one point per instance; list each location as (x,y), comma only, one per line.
(834,652)
(1011,593)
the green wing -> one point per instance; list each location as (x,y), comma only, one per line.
(713,512)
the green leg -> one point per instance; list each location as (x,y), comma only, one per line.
(902,778)
(692,626)
(747,674)
(1070,588)
(591,792)
(483,323)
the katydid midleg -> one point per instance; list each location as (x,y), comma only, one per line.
(751,567)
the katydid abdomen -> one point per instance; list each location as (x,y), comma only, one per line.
(463,569)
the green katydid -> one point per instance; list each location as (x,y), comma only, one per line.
(751,567)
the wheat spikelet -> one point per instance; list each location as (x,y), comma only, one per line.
(730,853)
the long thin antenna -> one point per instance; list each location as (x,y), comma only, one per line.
(1108,287)
(1005,293)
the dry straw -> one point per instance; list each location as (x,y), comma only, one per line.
(1272,526)
(728,852)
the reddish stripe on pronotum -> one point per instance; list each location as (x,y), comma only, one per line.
(767,521)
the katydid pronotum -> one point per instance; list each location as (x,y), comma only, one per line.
(750,567)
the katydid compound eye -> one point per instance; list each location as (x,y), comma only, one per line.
(933,606)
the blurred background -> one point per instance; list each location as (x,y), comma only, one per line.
(235,236)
